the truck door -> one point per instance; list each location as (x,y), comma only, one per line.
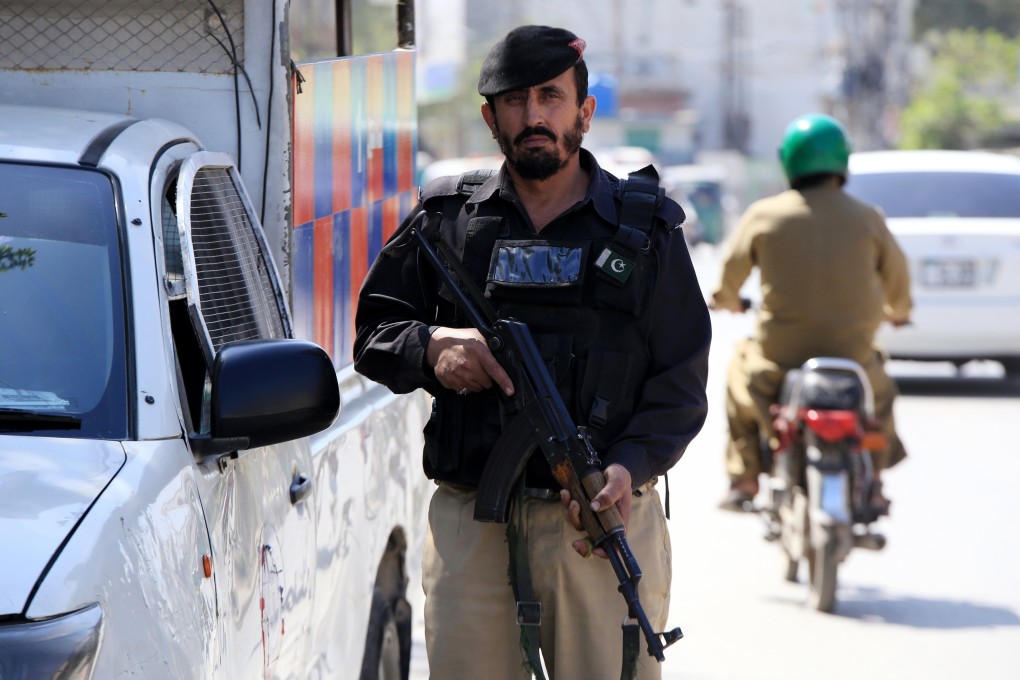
(222,287)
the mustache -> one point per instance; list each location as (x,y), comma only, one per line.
(528,132)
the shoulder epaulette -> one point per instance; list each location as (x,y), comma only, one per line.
(440,186)
(470,181)
(464,184)
(671,213)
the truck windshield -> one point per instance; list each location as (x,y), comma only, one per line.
(62,330)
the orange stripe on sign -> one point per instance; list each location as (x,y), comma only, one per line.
(322,295)
(375,110)
(341,118)
(406,113)
(304,150)
(390,217)
(359,258)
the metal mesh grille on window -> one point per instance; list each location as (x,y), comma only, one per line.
(236,295)
(122,35)
(172,250)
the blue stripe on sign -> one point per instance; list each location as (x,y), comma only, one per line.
(342,303)
(391,119)
(359,135)
(323,139)
(375,230)
(302,282)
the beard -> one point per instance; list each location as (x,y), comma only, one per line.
(540,163)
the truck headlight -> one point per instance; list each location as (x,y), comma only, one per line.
(61,648)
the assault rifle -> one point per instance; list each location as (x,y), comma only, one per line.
(542,421)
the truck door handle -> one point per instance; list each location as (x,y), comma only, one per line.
(299,488)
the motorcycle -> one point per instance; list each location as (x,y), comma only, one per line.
(821,494)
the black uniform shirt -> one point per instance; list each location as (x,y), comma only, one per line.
(399,302)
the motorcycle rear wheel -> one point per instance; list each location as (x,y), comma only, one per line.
(822,569)
(792,566)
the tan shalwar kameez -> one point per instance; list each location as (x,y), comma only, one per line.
(831,272)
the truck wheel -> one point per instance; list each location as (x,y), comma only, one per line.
(382,659)
(822,567)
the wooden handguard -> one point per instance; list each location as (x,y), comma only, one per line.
(606,519)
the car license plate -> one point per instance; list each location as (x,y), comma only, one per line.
(949,273)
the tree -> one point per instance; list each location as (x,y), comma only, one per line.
(946,15)
(960,104)
(22,258)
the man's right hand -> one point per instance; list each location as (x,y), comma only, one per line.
(462,361)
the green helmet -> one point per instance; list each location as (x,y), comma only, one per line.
(814,143)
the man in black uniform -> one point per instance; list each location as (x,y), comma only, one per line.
(619,318)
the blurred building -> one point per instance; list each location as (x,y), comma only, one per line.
(687,77)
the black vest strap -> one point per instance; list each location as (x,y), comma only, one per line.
(640,196)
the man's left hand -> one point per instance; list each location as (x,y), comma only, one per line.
(617,491)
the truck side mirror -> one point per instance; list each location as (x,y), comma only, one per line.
(266,392)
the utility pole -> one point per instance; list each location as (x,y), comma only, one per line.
(870,36)
(618,40)
(736,121)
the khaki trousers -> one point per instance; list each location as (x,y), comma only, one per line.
(470,627)
(752,386)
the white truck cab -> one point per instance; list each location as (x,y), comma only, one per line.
(178,496)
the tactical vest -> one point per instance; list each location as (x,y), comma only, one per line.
(583,296)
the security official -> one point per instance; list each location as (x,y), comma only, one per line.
(618,316)
(831,272)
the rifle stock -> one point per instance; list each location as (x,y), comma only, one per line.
(542,421)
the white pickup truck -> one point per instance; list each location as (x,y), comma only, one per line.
(178,496)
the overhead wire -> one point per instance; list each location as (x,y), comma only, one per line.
(269,111)
(231,53)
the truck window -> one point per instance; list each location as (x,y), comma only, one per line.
(62,328)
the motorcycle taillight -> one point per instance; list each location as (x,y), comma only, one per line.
(832,426)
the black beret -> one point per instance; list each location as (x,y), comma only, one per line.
(528,56)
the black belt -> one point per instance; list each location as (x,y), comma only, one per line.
(541,494)
(538,493)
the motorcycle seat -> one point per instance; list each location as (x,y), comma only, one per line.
(823,389)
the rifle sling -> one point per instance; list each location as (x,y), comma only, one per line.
(529,609)
(631,650)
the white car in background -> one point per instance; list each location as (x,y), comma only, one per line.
(956,214)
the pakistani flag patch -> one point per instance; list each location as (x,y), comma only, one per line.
(614,265)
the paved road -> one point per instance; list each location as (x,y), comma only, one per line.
(941,602)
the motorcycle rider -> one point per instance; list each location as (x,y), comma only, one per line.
(831,272)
